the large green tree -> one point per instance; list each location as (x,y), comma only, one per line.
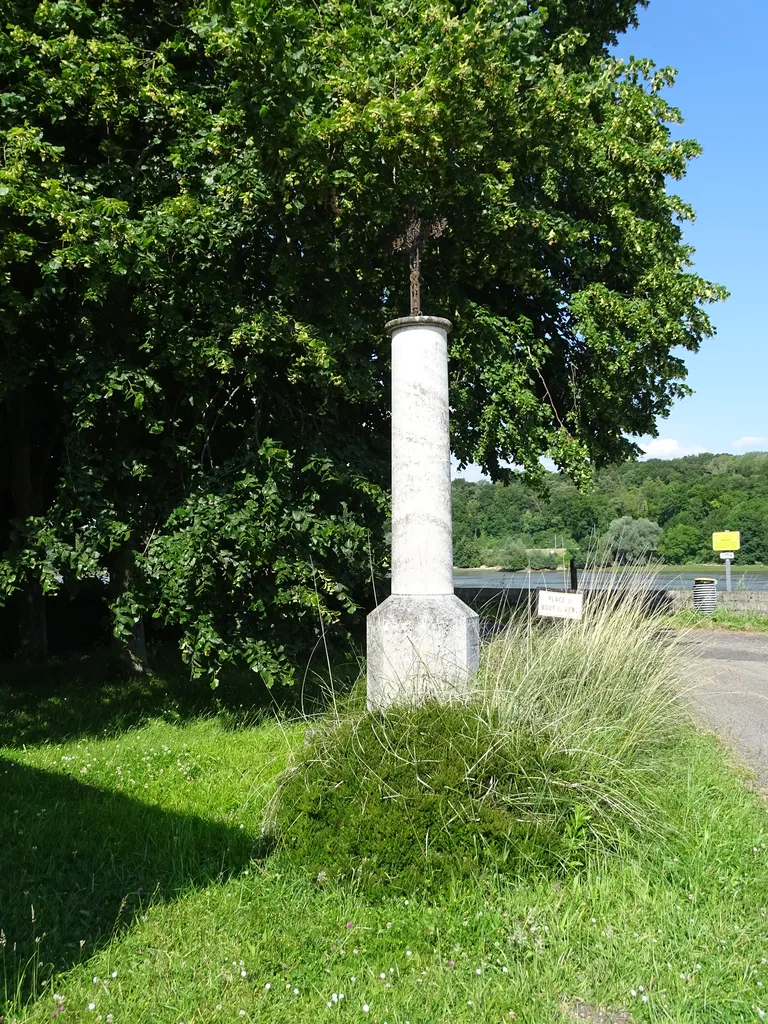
(198,207)
(631,540)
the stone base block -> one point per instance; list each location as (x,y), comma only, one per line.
(421,647)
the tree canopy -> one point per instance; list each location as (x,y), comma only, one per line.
(198,207)
(632,540)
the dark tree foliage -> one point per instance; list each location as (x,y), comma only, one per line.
(197,210)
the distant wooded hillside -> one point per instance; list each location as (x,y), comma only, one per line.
(668,508)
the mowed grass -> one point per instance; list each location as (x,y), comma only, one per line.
(134,854)
(721,618)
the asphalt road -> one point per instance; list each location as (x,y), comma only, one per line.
(729,678)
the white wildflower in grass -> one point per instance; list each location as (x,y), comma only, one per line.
(366,1007)
(295,991)
(243,974)
(91,1006)
(95,979)
(382,975)
(242,1013)
(408,952)
(114,974)
(268,986)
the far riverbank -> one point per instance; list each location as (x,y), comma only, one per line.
(748,578)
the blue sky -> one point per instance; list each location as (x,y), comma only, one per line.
(722,90)
(719,50)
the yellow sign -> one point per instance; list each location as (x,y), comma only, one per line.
(730,540)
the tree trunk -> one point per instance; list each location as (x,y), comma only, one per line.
(131,653)
(32,623)
(30,600)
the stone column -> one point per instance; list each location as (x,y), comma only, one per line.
(422,641)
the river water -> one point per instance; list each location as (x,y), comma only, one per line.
(559,580)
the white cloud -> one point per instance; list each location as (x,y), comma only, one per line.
(751,443)
(669,448)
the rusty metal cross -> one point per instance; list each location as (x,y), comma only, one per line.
(416,234)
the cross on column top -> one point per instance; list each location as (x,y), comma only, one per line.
(416,234)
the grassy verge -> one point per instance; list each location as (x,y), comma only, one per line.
(139,867)
(136,884)
(705,567)
(722,618)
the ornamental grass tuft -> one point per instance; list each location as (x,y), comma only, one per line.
(553,757)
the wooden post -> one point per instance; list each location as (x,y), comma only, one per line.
(574,577)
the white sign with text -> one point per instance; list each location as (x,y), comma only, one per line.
(556,604)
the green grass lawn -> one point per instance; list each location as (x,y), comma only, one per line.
(135,887)
(722,618)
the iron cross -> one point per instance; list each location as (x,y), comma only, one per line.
(416,234)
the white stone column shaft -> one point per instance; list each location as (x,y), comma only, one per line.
(423,642)
(422,532)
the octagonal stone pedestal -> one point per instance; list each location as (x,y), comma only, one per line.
(421,647)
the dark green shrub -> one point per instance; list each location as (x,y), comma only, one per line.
(539,559)
(466,552)
(419,797)
(514,558)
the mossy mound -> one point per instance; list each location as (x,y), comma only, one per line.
(420,797)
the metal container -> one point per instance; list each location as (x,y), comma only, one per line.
(705,594)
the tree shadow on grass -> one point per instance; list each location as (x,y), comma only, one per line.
(81,696)
(77,864)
